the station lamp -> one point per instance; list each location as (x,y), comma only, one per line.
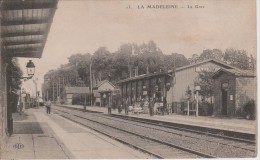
(30,68)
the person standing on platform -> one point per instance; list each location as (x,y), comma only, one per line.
(151,106)
(119,107)
(109,106)
(126,106)
(48,106)
(165,110)
(109,109)
(142,103)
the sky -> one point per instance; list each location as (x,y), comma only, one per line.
(83,26)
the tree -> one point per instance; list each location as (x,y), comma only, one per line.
(237,58)
(211,54)
(142,57)
(16,74)
(80,64)
(174,60)
(207,84)
(102,62)
(194,58)
(252,63)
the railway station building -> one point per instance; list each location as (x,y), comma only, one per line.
(232,90)
(24,27)
(69,92)
(172,86)
(101,86)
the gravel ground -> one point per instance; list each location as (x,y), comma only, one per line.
(190,140)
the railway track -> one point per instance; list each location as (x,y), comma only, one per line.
(227,135)
(217,134)
(192,143)
(143,143)
(221,139)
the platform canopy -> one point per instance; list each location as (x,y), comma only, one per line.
(25,25)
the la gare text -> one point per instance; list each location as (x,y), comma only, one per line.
(167,6)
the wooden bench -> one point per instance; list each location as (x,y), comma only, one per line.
(137,110)
(191,111)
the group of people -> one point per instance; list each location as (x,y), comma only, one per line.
(153,105)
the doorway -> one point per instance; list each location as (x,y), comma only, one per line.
(224,102)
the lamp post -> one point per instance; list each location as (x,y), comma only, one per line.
(30,67)
(20,106)
(36,93)
(91,87)
(109,102)
(197,89)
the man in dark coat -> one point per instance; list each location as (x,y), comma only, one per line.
(151,106)
(126,106)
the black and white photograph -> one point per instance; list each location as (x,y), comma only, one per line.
(128,79)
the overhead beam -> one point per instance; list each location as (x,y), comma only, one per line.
(22,42)
(34,54)
(20,5)
(24,22)
(49,25)
(20,50)
(16,34)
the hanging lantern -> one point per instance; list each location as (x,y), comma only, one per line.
(30,68)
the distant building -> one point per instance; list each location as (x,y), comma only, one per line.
(69,92)
(101,86)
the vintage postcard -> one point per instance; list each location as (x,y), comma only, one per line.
(128,79)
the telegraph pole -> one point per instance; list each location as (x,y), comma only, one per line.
(53,92)
(36,95)
(47,95)
(90,72)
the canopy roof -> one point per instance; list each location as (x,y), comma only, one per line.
(76,90)
(25,25)
(236,72)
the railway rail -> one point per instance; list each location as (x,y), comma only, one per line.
(194,144)
(232,135)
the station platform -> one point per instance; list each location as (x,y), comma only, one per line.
(38,135)
(222,123)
